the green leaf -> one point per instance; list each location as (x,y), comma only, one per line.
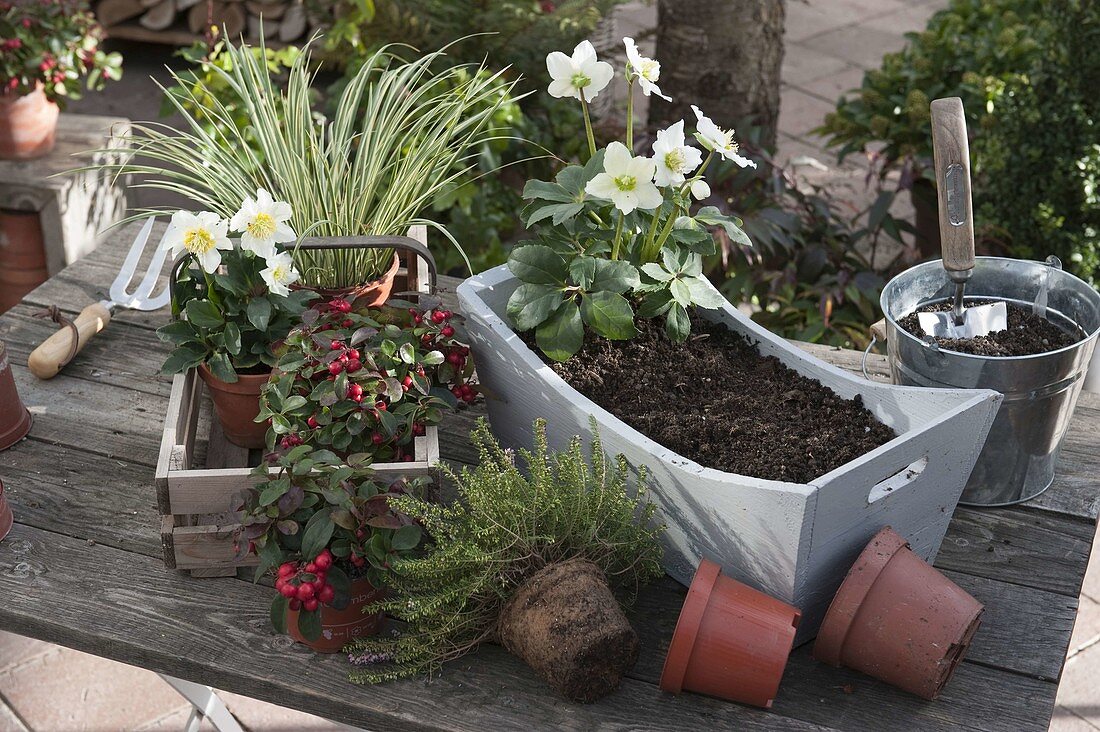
(614,276)
(609,314)
(657,272)
(232,338)
(178,332)
(583,270)
(559,211)
(530,305)
(309,624)
(711,216)
(204,314)
(562,334)
(184,357)
(274,491)
(222,368)
(271,556)
(278,614)
(259,313)
(405,538)
(702,294)
(318,531)
(681,293)
(538,264)
(677,324)
(546,191)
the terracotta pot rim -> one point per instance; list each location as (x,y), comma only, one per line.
(245,383)
(353,292)
(884,545)
(687,626)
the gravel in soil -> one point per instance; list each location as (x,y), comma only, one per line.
(717,401)
(1026,335)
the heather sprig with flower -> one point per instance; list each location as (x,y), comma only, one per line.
(616,238)
(232,300)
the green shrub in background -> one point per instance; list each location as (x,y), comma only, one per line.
(1022,68)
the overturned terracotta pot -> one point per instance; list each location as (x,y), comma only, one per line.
(15,420)
(731,641)
(565,623)
(28,125)
(6,517)
(898,619)
(237,405)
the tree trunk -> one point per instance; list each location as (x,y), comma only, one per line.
(723,56)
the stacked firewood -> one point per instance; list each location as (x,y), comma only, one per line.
(283,20)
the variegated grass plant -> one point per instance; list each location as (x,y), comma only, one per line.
(401,133)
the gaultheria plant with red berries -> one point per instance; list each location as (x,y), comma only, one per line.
(319,522)
(367,380)
(54,43)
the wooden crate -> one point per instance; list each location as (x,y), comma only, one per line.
(199,472)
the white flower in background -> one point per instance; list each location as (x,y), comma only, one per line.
(581,72)
(203,235)
(673,157)
(262,222)
(700,189)
(627,181)
(647,70)
(280,272)
(719,140)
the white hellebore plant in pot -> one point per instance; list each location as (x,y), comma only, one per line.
(615,238)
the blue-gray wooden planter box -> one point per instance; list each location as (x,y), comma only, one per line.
(793,541)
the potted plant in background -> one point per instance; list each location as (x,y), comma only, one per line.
(401,133)
(48,52)
(232,304)
(367,380)
(755,445)
(524,556)
(328,531)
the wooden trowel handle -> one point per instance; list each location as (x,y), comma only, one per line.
(46,360)
(952,153)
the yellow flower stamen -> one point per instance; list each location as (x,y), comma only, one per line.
(674,160)
(650,69)
(580,81)
(262,226)
(625,182)
(198,241)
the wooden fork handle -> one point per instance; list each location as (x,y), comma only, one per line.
(46,360)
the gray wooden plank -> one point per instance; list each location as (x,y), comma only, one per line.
(126,606)
(1030,548)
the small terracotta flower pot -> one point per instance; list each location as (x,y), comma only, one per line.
(6,517)
(731,641)
(898,619)
(237,405)
(340,627)
(22,256)
(28,125)
(15,420)
(371,294)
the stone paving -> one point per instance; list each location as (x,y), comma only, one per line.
(829,44)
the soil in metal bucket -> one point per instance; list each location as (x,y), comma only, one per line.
(1026,335)
(717,401)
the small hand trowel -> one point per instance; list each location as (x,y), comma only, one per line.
(952,153)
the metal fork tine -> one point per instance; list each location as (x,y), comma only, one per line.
(118,287)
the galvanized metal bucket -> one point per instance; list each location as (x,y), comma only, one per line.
(1017,462)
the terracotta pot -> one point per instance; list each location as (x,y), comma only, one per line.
(237,405)
(6,517)
(15,420)
(898,619)
(565,623)
(22,256)
(340,627)
(371,294)
(926,218)
(28,125)
(731,641)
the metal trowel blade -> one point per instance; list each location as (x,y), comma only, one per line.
(978,321)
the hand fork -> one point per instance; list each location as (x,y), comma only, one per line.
(57,350)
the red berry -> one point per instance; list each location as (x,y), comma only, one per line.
(327,594)
(335,367)
(447,331)
(354,365)
(287,568)
(438,316)
(427,339)
(355,392)
(318,584)
(377,438)
(407,383)
(305,591)
(457,391)
(288,590)
(295,604)
(408,458)
(380,406)
(353,353)
(340,306)
(413,311)
(310,605)
(312,422)
(311,567)
(418,429)
(418,319)
(336,346)
(455,359)
(323,560)
(348,323)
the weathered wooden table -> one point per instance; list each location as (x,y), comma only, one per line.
(83,568)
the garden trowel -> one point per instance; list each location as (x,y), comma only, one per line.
(952,153)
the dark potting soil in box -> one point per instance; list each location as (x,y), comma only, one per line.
(1026,335)
(717,401)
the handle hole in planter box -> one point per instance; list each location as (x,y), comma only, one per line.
(900,479)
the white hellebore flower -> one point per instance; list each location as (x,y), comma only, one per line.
(627,181)
(262,222)
(719,140)
(700,189)
(580,74)
(203,235)
(280,272)
(673,157)
(646,69)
